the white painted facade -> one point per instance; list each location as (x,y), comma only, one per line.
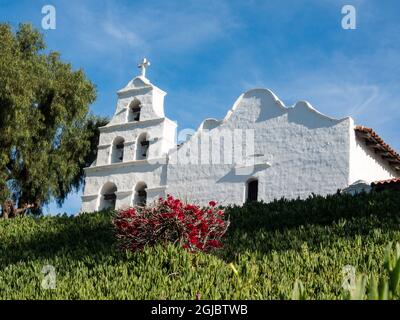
(124,178)
(291,151)
(365,164)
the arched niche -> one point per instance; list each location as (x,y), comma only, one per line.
(140,194)
(134,110)
(117,153)
(142,146)
(108,196)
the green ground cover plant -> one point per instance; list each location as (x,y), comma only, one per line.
(281,250)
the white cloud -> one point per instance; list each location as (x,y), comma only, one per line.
(122,34)
(151,28)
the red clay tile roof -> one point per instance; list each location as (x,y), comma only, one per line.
(376,143)
(388,181)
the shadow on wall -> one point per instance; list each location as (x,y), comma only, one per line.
(303,114)
(150,167)
(262,103)
(268,106)
(245,173)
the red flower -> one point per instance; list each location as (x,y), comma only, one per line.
(171,220)
(214,243)
(212,203)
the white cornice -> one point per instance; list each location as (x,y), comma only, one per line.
(250,168)
(125,91)
(156,188)
(122,193)
(132,124)
(105,146)
(88,197)
(152,161)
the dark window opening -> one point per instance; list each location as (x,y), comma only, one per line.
(108,196)
(135,114)
(134,110)
(142,148)
(145,146)
(252,190)
(140,194)
(118,151)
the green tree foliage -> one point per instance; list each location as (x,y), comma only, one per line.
(47,135)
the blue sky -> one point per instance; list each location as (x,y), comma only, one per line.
(206,53)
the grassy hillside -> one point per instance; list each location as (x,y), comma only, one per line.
(269,245)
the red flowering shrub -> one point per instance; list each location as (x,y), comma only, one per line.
(171,220)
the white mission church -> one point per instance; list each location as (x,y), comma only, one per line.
(261,150)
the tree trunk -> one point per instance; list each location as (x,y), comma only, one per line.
(7,209)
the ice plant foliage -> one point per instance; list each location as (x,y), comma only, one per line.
(171,220)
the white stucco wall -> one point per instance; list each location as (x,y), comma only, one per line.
(125,176)
(365,164)
(150,97)
(299,152)
(292,151)
(156,129)
(131,172)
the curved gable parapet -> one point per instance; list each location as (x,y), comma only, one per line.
(139,84)
(303,113)
(266,94)
(307,107)
(261,98)
(261,104)
(209,124)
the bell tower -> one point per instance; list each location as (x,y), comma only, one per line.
(133,149)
